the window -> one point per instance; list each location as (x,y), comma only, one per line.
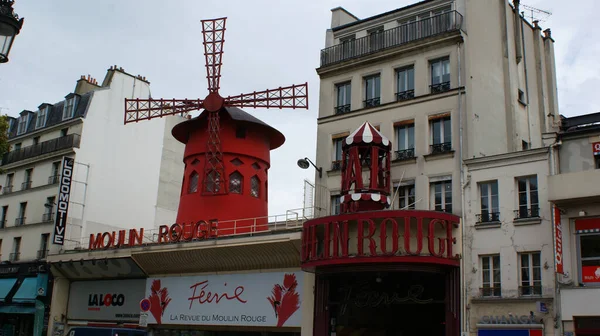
(347,46)
(531,273)
(240,132)
(36,140)
(335,205)
(490,209)
(64,131)
(441,135)
(212,182)
(343,92)
(69,108)
(589,250)
(3,217)
(521,96)
(235,183)
(55,173)
(49,209)
(193,183)
(337,154)
(20,220)
(372,91)
(440,75)
(490,271)
(254,186)
(376,38)
(14,256)
(40,120)
(405,136)
(17,146)
(22,127)
(8,188)
(528,198)
(27,180)
(405,82)
(524,145)
(597,161)
(442,195)
(406,196)
(43,252)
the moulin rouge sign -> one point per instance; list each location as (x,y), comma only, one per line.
(378,234)
(166,234)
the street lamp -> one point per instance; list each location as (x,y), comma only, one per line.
(10,26)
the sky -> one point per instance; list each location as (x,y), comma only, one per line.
(268,43)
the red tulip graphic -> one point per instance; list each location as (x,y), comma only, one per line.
(284,299)
(159,300)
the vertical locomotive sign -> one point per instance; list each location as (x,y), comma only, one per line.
(62,206)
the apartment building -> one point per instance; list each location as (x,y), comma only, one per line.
(573,189)
(465,91)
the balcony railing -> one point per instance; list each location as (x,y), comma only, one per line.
(490,292)
(404,34)
(487,217)
(47,217)
(7,190)
(336,165)
(26,185)
(530,290)
(53,179)
(523,213)
(440,87)
(342,109)
(372,102)
(405,154)
(405,95)
(19,221)
(441,148)
(42,254)
(14,256)
(65,142)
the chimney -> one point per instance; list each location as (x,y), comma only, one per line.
(548,33)
(85,84)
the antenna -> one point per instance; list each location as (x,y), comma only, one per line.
(535,14)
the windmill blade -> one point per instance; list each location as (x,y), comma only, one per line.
(214,36)
(294,96)
(145,109)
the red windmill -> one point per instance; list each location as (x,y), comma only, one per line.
(224,145)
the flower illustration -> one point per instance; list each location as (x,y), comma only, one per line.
(284,299)
(159,300)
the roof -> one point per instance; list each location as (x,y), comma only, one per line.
(582,124)
(181,130)
(381,15)
(53,118)
(367,134)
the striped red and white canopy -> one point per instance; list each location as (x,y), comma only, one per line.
(367,134)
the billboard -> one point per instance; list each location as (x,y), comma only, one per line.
(62,207)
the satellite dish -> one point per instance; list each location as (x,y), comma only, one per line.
(303,163)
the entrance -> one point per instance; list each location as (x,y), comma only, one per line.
(16,324)
(381,303)
(587,325)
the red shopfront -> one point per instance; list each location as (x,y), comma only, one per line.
(384,273)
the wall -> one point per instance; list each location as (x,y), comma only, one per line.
(576,154)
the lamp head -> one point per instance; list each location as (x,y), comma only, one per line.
(303,163)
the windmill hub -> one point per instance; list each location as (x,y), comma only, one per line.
(213,102)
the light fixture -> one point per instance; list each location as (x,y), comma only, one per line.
(10,26)
(582,213)
(305,163)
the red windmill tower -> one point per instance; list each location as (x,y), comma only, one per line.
(227,151)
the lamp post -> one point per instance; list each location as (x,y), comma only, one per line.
(10,26)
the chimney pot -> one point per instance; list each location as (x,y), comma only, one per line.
(548,33)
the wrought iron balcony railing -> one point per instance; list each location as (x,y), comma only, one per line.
(14,256)
(336,165)
(441,148)
(7,190)
(487,217)
(523,213)
(404,95)
(405,154)
(342,109)
(53,179)
(65,142)
(530,290)
(490,291)
(19,221)
(401,35)
(372,102)
(440,87)
(47,217)
(42,254)
(26,185)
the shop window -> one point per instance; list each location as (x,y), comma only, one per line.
(588,235)
(531,274)
(236,183)
(490,271)
(255,186)
(193,184)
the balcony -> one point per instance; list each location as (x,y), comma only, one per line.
(441,148)
(401,35)
(526,213)
(53,179)
(7,190)
(342,109)
(19,221)
(26,185)
(46,147)
(14,256)
(574,187)
(488,217)
(535,290)
(47,217)
(405,154)
(490,292)
(405,95)
(440,87)
(42,254)
(372,102)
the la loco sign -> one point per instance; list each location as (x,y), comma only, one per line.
(259,299)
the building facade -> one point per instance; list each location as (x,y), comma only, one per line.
(574,192)
(471,115)
(74,168)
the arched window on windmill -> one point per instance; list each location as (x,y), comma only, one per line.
(193,183)
(212,182)
(236,182)
(255,186)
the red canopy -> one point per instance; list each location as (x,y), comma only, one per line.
(367,134)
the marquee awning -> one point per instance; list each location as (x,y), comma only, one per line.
(26,291)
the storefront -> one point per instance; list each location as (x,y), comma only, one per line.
(510,325)
(243,303)
(25,291)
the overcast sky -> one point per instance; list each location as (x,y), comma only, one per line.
(268,44)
